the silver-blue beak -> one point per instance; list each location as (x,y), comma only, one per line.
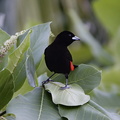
(75,38)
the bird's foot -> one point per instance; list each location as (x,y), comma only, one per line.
(46,81)
(65,87)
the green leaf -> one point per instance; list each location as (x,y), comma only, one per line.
(90,111)
(73,96)
(21,37)
(6,87)
(86,76)
(17,55)
(19,74)
(16,61)
(108,100)
(35,105)
(3,37)
(41,68)
(24,89)
(30,68)
(10,117)
(39,41)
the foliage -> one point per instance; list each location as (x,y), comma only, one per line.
(107,12)
(21,66)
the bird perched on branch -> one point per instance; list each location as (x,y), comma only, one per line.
(58,58)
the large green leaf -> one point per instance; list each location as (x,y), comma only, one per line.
(6,87)
(86,76)
(108,100)
(17,55)
(42,67)
(30,68)
(19,74)
(16,61)
(73,96)
(35,105)
(39,40)
(91,111)
(24,89)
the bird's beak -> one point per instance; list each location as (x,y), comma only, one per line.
(75,38)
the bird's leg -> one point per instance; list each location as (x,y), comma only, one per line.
(66,85)
(46,81)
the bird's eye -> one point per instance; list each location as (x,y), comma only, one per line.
(70,35)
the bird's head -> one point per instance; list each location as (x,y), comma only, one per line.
(66,38)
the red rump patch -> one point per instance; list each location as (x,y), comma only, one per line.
(71,66)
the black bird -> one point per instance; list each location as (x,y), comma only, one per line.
(58,58)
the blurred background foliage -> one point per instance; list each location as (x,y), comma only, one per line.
(96,22)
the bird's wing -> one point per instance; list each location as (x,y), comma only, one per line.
(68,55)
(69,59)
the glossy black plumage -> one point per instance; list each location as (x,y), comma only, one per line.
(57,57)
